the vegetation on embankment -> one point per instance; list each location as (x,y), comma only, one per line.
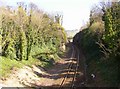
(27,34)
(100,42)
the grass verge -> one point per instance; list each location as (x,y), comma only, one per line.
(106,72)
(6,65)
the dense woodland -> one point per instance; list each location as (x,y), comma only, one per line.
(100,42)
(27,32)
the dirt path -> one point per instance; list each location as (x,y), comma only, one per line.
(55,74)
(37,76)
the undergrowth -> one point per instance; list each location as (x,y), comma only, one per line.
(7,65)
(105,69)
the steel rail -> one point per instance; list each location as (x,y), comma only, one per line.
(70,67)
(76,68)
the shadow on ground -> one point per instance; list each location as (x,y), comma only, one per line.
(58,71)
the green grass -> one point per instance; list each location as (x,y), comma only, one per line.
(6,65)
(107,70)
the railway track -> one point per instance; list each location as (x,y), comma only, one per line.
(73,68)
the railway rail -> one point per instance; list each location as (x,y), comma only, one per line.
(73,65)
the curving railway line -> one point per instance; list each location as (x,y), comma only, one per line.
(73,68)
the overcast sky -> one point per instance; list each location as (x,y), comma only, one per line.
(75,12)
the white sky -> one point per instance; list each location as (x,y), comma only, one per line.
(75,12)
